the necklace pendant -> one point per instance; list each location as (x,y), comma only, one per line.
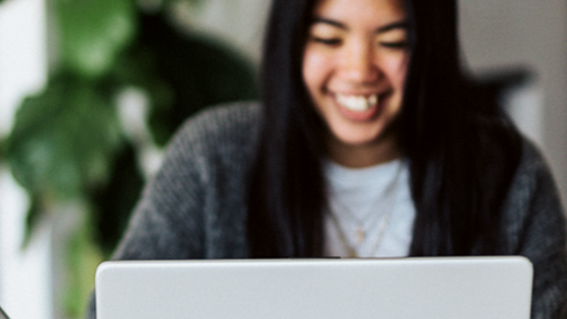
(360,234)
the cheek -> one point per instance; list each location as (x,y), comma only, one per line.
(315,69)
(396,68)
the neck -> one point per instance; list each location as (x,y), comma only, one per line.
(359,156)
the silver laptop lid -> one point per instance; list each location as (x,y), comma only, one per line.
(434,288)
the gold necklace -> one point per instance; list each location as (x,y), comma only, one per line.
(351,250)
(383,219)
(360,222)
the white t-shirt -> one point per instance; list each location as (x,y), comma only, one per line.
(371,210)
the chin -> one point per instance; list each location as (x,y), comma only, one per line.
(355,140)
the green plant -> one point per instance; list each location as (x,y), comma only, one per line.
(68,144)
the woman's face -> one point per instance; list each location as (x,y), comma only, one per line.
(354,68)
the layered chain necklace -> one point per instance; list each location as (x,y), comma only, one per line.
(378,217)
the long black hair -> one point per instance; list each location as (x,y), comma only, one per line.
(462,148)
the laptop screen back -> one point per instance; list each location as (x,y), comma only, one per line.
(425,288)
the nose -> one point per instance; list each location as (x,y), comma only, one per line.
(359,64)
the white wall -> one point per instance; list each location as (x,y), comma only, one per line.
(533,34)
(25,276)
(239,23)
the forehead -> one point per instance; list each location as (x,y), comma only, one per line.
(360,10)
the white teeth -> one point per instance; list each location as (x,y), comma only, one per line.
(357,102)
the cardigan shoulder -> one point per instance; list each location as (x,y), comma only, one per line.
(219,140)
(533,190)
(194,206)
(222,128)
(535,227)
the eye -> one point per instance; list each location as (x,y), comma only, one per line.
(395,45)
(327,41)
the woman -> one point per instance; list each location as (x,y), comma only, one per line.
(369,89)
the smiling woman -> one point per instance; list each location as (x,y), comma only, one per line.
(354,68)
(370,140)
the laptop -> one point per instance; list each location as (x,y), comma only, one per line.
(404,288)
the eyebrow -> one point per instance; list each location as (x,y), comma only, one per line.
(392,26)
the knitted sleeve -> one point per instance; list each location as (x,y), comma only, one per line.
(537,229)
(197,196)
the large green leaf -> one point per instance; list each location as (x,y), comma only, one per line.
(63,139)
(93,32)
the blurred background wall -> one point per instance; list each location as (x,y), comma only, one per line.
(25,276)
(504,35)
(531,35)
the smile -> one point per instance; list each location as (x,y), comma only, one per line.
(357,103)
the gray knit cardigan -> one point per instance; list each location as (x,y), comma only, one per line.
(195,206)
